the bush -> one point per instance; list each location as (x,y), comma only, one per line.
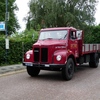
(15,52)
(18,45)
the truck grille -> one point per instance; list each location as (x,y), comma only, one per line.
(36,54)
(41,55)
(44,55)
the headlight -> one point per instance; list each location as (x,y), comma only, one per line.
(58,58)
(28,56)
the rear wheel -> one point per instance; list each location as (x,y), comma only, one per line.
(33,71)
(94,62)
(68,71)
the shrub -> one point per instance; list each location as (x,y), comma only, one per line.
(18,45)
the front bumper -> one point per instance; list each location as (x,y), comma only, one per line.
(43,65)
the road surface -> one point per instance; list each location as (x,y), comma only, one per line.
(49,85)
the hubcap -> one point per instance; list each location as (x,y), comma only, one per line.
(70,69)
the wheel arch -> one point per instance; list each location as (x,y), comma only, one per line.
(74,59)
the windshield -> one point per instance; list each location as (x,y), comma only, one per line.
(59,34)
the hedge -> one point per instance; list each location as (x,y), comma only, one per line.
(19,43)
(14,54)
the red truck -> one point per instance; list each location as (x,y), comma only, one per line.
(60,49)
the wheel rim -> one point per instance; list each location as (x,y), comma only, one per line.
(70,69)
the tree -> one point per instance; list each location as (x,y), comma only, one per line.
(94,35)
(13,24)
(57,13)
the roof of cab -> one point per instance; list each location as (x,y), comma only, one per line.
(58,28)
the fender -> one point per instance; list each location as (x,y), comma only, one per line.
(28,57)
(70,54)
(62,53)
(65,54)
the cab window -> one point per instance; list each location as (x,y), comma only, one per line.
(72,35)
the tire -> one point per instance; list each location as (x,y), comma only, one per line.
(68,70)
(33,71)
(94,63)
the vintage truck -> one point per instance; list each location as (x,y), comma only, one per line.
(60,49)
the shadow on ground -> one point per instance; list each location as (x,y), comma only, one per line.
(57,75)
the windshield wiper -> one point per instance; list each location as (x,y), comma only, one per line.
(49,38)
(65,36)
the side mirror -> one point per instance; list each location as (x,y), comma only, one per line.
(79,34)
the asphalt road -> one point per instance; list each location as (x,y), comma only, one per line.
(49,85)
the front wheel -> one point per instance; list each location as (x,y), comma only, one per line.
(33,71)
(68,70)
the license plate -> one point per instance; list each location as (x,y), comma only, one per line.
(47,65)
(28,64)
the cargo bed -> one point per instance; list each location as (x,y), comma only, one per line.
(90,48)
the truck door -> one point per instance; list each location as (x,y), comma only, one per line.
(73,43)
(79,35)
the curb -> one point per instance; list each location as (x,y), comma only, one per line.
(11,68)
(12,72)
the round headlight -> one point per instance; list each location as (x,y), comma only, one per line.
(27,56)
(58,58)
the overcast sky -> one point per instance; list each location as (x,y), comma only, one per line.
(23,9)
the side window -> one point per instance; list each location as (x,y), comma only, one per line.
(72,35)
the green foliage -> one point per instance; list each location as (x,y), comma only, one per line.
(57,13)
(93,34)
(2,51)
(18,44)
(25,36)
(13,24)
